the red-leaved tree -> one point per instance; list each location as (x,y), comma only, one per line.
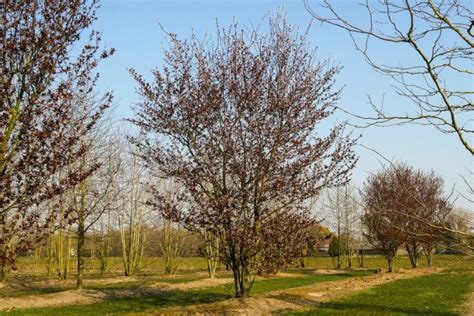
(236,125)
(405,207)
(41,131)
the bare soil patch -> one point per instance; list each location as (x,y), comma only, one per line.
(259,306)
(72,281)
(207,282)
(326,271)
(198,284)
(114,280)
(253,306)
(72,297)
(52,299)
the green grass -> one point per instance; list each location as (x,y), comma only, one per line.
(33,291)
(436,294)
(262,287)
(374,262)
(142,303)
(154,265)
(391,298)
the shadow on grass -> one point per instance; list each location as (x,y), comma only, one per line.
(141,299)
(351,308)
(435,294)
(26,290)
(132,304)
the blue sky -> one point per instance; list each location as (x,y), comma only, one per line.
(131,26)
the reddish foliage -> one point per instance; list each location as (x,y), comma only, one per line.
(41,126)
(404,206)
(236,126)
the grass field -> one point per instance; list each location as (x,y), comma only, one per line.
(434,292)
(439,294)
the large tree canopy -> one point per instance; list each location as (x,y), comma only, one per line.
(237,126)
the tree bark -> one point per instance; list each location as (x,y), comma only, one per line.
(212,253)
(81,234)
(80,254)
(390,264)
(413,253)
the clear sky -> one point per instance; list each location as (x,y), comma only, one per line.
(131,26)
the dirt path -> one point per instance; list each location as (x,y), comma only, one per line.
(90,282)
(71,297)
(198,284)
(52,299)
(297,298)
(290,299)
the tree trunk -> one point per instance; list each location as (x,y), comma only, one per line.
(349,254)
(212,253)
(67,258)
(51,244)
(171,247)
(240,281)
(80,254)
(303,256)
(81,234)
(390,264)
(50,253)
(60,248)
(360,257)
(413,253)
(429,255)
(2,273)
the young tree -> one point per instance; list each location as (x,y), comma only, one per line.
(236,126)
(429,214)
(94,196)
(341,204)
(460,239)
(440,37)
(102,238)
(133,213)
(171,245)
(407,207)
(39,131)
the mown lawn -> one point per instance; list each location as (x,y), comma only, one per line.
(437,294)
(142,303)
(376,261)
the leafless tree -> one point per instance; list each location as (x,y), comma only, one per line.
(440,37)
(171,244)
(342,210)
(460,237)
(96,195)
(133,213)
(236,125)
